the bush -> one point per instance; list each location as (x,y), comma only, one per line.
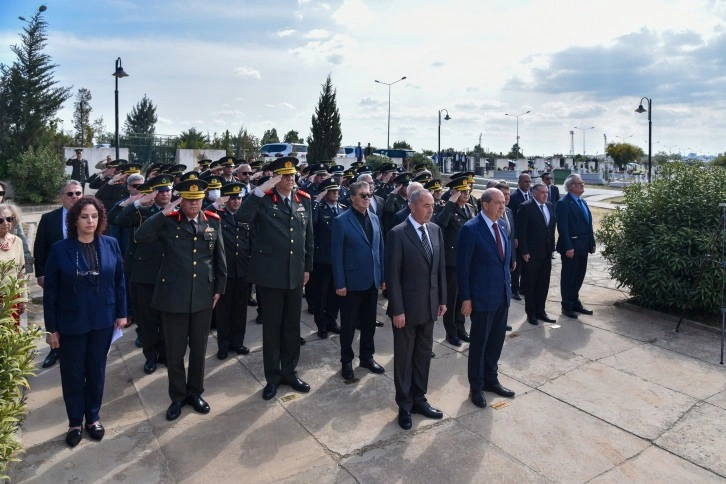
(657,243)
(38,175)
(17,352)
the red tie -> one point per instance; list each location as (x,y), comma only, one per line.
(495,226)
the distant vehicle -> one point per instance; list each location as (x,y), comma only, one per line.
(396,155)
(276,150)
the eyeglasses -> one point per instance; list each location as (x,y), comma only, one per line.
(245,173)
(84,273)
(77,194)
(2,194)
(9,220)
(136,186)
(365,195)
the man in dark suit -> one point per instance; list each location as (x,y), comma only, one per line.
(376,202)
(576,240)
(536,229)
(456,212)
(282,259)
(395,201)
(403,214)
(483,264)
(553,193)
(415,271)
(79,171)
(51,229)
(517,198)
(192,276)
(357,263)
(508,219)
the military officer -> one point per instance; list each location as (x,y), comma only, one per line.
(318,172)
(397,200)
(281,264)
(228,164)
(192,277)
(79,171)
(434,188)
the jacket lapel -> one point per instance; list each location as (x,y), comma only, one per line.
(352,220)
(415,239)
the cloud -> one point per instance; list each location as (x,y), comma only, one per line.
(331,51)
(438,64)
(352,13)
(247,72)
(317,34)
(281,105)
(285,33)
(369,102)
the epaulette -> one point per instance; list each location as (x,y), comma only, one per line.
(173,213)
(269,192)
(212,214)
(343,206)
(304,194)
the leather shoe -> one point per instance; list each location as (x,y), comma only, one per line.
(569,313)
(509,328)
(269,391)
(464,336)
(334,328)
(515,295)
(348,371)
(583,310)
(221,355)
(242,350)
(302,341)
(427,410)
(297,385)
(404,419)
(323,334)
(96,431)
(198,403)
(477,398)
(379,324)
(174,410)
(149,366)
(372,365)
(52,357)
(532,320)
(433,355)
(73,437)
(453,340)
(252,302)
(544,317)
(138,342)
(499,390)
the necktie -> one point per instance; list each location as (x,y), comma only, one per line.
(495,226)
(584,209)
(426,244)
(526,196)
(466,212)
(287,204)
(544,214)
(193,223)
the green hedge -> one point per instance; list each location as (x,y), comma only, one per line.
(656,244)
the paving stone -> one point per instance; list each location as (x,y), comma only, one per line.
(657,465)
(692,341)
(700,437)
(641,407)
(554,439)
(583,339)
(719,400)
(329,473)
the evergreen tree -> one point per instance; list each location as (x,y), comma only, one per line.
(325,135)
(82,118)
(401,145)
(292,136)
(142,118)
(245,145)
(270,136)
(193,139)
(29,95)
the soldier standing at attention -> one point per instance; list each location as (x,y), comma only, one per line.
(80,168)
(282,259)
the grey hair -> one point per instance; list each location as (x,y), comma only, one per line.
(413,187)
(416,194)
(538,185)
(571,180)
(14,209)
(357,186)
(69,183)
(365,177)
(135,178)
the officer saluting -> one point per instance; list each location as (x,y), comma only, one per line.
(282,259)
(193,274)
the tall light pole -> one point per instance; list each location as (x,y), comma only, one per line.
(517,116)
(119,73)
(389,84)
(583,137)
(641,109)
(446,118)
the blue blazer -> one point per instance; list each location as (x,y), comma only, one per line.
(357,263)
(73,304)
(575,231)
(483,277)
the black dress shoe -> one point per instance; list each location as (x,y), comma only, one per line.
(515,295)
(433,355)
(242,350)
(311,310)
(404,419)
(509,328)
(138,342)
(198,403)
(52,357)
(334,328)
(149,366)
(569,313)
(96,431)
(269,391)
(544,317)
(323,334)
(583,310)
(464,336)
(477,398)
(252,302)
(297,384)
(532,320)
(221,355)
(379,324)
(258,319)
(427,410)
(453,340)
(302,341)
(347,371)
(499,390)
(73,437)
(372,365)
(174,410)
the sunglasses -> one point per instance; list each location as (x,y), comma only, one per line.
(245,173)
(9,220)
(2,194)
(136,186)
(365,195)
(70,194)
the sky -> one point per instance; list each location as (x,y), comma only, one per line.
(220,65)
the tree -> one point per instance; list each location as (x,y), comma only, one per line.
(515,153)
(624,153)
(270,136)
(29,95)
(245,145)
(292,136)
(720,161)
(99,133)
(325,135)
(142,118)
(401,145)
(37,174)
(193,139)
(82,118)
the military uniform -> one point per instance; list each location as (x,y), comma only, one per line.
(394,203)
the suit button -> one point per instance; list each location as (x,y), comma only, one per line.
(292,241)
(290,229)
(194,275)
(195,239)
(177,237)
(290,252)
(194,263)
(163,280)
(236,253)
(194,251)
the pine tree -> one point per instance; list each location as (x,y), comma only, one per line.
(325,135)
(82,118)
(270,136)
(142,118)
(292,136)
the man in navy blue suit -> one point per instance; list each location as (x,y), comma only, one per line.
(483,264)
(576,241)
(357,261)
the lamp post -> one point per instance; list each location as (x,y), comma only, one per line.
(517,116)
(389,84)
(118,73)
(446,118)
(641,109)
(583,137)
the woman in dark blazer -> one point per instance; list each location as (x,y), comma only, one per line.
(84,299)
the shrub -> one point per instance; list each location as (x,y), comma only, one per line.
(17,352)
(656,244)
(37,175)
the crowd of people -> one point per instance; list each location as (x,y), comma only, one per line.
(179,252)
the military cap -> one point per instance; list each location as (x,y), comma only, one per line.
(214,164)
(145,188)
(318,168)
(233,190)
(423,177)
(204,163)
(403,178)
(190,175)
(433,184)
(400,169)
(262,180)
(161,182)
(461,183)
(78,150)
(357,164)
(364,170)
(386,167)
(350,173)
(176,169)
(419,166)
(115,163)
(153,166)
(227,161)
(284,165)
(164,167)
(329,184)
(130,168)
(191,189)
(337,169)
(215,182)
(469,175)
(256,165)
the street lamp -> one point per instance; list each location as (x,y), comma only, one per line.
(389,84)
(641,109)
(583,137)
(119,73)
(446,118)
(517,116)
